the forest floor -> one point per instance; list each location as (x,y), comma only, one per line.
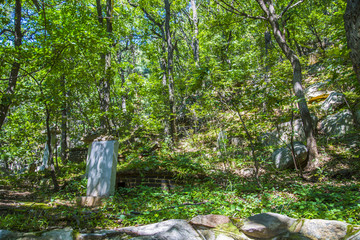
(332,191)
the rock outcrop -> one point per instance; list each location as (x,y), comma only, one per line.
(333,102)
(338,125)
(212,227)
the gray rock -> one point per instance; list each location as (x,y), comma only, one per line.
(333,102)
(57,234)
(174,229)
(267,225)
(269,139)
(338,125)
(283,132)
(103,234)
(316,90)
(5,234)
(282,157)
(210,220)
(323,229)
(223,237)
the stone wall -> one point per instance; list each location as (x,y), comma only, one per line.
(131,179)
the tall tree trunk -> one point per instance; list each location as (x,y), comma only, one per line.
(105,82)
(64,110)
(195,41)
(170,51)
(51,156)
(352,27)
(6,99)
(297,81)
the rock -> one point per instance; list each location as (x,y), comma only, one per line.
(267,225)
(282,157)
(316,90)
(103,234)
(210,220)
(333,102)
(282,134)
(5,235)
(174,229)
(323,229)
(223,231)
(269,139)
(338,125)
(223,237)
(59,234)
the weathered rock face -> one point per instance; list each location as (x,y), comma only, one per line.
(267,225)
(210,221)
(333,102)
(174,229)
(338,125)
(323,229)
(58,234)
(316,90)
(282,157)
(282,134)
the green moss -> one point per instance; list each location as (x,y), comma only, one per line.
(351,231)
(228,229)
(296,227)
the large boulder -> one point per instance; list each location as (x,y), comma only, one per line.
(316,90)
(267,225)
(282,157)
(323,229)
(338,125)
(174,229)
(282,134)
(276,226)
(333,102)
(57,234)
(210,220)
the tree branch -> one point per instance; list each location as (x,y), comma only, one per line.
(37,5)
(290,6)
(236,11)
(6,30)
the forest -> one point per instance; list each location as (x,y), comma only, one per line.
(234,107)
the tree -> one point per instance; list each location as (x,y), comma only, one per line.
(352,27)
(7,97)
(273,18)
(164,31)
(105,81)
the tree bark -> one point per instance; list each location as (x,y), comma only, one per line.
(51,155)
(105,82)
(170,52)
(64,111)
(7,98)
(272,18)
(352,28)
(195,41)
